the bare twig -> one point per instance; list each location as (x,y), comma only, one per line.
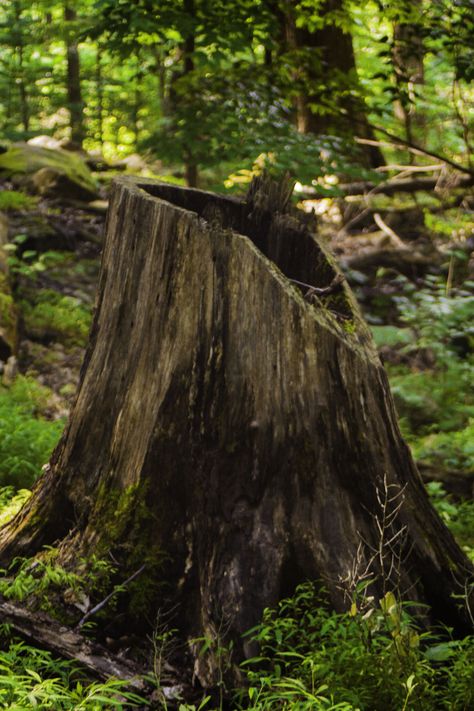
(407,168)
(388,230)
(334,286)
(109,597)
(398,142)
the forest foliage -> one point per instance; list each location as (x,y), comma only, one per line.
(215,84)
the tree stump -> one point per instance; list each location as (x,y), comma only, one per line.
(234,430)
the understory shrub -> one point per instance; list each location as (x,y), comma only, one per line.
(32,678)
(371,657)
(457,515)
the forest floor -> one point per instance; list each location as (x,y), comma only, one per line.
(408,259)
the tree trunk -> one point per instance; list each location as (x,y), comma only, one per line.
(325,57)
(73,83)
(232,435)
(190,166)
(99,83)
(21,79)
(408,62)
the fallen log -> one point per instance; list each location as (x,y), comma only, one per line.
(389,187)
(402,260)
(45,632)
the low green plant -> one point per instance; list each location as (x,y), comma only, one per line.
(11,200)
(39,577)
(429,401)
(454,450)
(440,318)
(28,262)
(449,223)
(54,315)
(44,579)
(428,395)
(33,678)
(27,438)
(371,657)
(11,502)
(457,515)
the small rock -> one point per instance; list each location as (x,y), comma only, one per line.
(10,370)
(49,182)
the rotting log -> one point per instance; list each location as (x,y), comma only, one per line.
(391,187)
(231,435)
(42,630)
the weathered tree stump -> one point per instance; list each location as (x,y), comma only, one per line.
(233,435)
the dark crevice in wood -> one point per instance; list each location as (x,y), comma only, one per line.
(284,240)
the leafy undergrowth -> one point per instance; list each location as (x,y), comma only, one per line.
(434,387)
(54,316)
(31,678)
(27,437)
(457,515)
(372,657)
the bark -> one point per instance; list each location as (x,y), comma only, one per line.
(99,82)
(227,433)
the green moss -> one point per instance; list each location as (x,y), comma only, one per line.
(23,158)
(13,200)
(26,437)
(8,317)
(56,316)
(349,326)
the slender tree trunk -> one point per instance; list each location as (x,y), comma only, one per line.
(230,434)
(137,100)
(190,166)
(100,95)
(22,86)
(73,81)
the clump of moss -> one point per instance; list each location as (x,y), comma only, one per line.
(12,200)
(58,317)
(27,437)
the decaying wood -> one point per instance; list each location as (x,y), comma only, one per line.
(228,433)
(403,260)
(42,630)
(390,187)
(456,482)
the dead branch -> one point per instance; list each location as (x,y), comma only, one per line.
(403,260)
(388,231)
(334,286)
(42,630)
(109,597)
(412,147)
